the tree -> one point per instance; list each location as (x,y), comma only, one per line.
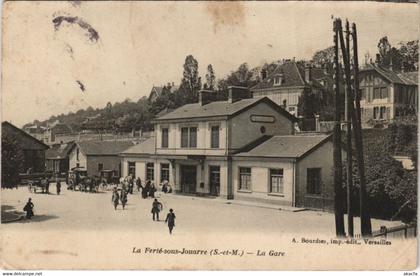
(190,83)
(210,78)
(323,57)
(12,160)
(410,55)
(405,57)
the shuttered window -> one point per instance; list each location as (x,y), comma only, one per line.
(215,137)
(184,137)
(165,137)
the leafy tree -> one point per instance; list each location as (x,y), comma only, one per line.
(323,57)
(210,78)
(190,83)
(12,159)
(405,57)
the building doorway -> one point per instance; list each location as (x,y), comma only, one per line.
(188,179)
(215,180)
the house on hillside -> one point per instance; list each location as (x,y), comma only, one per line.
(289,80)
(157,91)
(35,131)
(386,94)
(54,130)
(33,149)
(242,148)
(96,156)
(57,157)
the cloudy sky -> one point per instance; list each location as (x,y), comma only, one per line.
(119,50)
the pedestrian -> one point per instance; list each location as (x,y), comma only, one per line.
(123,197)
(152,190)
(29,207)
(131,185)
(165,186)
(58,185)
(47,185)
(115,198)
(138,184)
(156,208)
(170,219)
(146,189)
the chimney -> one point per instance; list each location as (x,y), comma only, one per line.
(263,74)
(378,59)
(308,73)
(402,67)
(237,93)
(206,96)
(391,67)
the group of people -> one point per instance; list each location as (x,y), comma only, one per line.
(148,190)
(121,196)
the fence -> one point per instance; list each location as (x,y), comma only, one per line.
(402,231)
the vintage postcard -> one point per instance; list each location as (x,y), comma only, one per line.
(149,135)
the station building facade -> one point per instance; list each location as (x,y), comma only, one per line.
(242,148)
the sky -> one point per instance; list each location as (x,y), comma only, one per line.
(141,44)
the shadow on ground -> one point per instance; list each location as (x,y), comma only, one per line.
(10,214)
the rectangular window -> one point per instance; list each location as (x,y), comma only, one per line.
(150,171)
(376,93)
(193,137)
(215,137)
(184,137)
(382,112)
(100,167)
(376,113)
(77,154)
(165,137)
(188,137)
(245,179)
(363,95)
(276,181)
(164,172)
(384,93)
(132,169)
(313,180)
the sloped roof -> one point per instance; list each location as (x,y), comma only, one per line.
(103,147)
(24,133)
(286,146)
(411,78)
(146,147)
(219,108)
(291,76)
(390,75)
(59,151)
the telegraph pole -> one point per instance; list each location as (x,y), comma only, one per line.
(366,227)
(337,158)
(349,107)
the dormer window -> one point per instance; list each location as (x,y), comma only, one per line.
(278,79)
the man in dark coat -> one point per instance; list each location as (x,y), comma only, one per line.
(58,185)
(115,198)
(123,197)
(29,207)
(156,208)
(170,219)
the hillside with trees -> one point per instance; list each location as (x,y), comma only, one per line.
(129,115)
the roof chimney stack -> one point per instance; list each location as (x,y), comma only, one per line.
(263,74)
(206,96)
(308,73)
(237,93)
(378,59)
